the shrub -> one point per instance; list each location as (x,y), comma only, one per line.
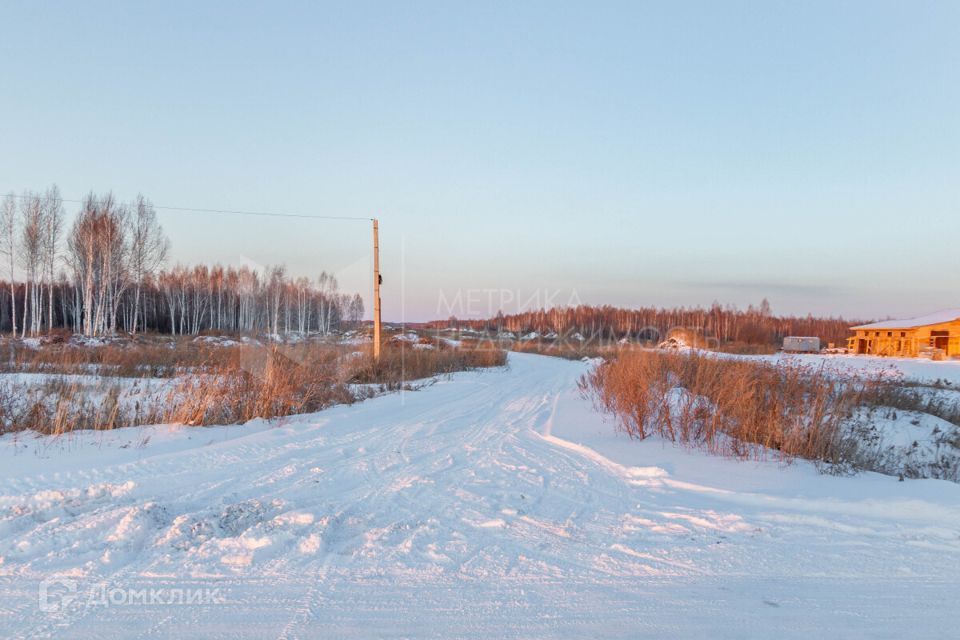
(265,383)
(400,363)
(100,386)
(731,406)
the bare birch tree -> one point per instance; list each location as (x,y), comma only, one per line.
(8,247)
(52,232)
(82,244)
(327,286)
(148,248)
(114,254)
(275,296)
(31,243)
(355,310)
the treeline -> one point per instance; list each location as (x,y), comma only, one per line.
(755,325)
(105,275)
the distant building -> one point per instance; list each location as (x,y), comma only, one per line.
(937,334)
(799,344)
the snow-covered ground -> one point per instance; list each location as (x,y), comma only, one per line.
(493,504)
(918,369)
(134,396)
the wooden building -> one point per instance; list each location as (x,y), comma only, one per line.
(937,334)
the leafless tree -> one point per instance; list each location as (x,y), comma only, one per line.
(50,245)
(148,248)
(99,250)
(275,293)
(31,252)
(328,286)
(753,326)
(114,253)
(8,247)
(355,311)
(82,244)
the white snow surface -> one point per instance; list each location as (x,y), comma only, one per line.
(493,504)
(916,369)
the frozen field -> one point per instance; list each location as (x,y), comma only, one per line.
(493,504)
(919,369)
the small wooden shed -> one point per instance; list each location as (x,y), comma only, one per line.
(937,333)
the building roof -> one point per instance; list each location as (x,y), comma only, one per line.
(947,315)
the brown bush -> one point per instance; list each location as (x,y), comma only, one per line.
(728,405)
(400,363)
(265,383)
(211,383)
(128,358)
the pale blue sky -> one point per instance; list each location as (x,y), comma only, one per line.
(625,153)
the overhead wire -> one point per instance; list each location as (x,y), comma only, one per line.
(268,214)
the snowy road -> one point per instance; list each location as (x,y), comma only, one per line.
(494,504)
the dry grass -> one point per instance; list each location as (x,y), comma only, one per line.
(745,408)
(116,385)
(933,399)
(60,405)
(401,362)
(263,383)
(138,357)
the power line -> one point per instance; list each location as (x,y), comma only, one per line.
(267,214)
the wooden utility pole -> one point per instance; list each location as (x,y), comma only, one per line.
(376,290)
